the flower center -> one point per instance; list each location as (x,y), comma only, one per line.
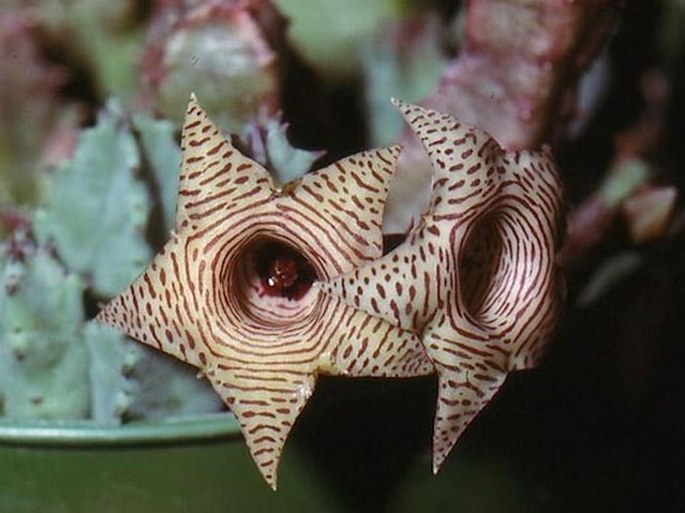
(283,271)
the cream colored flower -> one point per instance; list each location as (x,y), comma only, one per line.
(231,294)
(476,279)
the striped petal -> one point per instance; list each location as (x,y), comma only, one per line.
(476,278)
(214,175)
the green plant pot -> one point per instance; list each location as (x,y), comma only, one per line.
(197,464)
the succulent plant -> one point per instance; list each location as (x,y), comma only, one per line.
(113,358)
(297,283)
(96,209)
(515,77)
(43,356)
(405,60)
(129,381)
(84,33)
(163,156)
(93,223)
(519,64)
(268,144)
(218,50)
(330,35)
(25,73)
(95,216)
(649,211)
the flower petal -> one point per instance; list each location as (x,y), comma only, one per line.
(215,176)
(351,193)
(266,405)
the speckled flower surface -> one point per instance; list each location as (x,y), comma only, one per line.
(476,278)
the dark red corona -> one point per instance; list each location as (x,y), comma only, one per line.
(283,271)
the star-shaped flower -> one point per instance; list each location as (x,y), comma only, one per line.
(230,292)
(476,278)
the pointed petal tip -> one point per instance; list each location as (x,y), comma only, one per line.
(402,106)
(439,457)
(267,469)
(103,316)
(414,114)
(268,473)
(194,104)
(106,320)
(266,412)
(272,481)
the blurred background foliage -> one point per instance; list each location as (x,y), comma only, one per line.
(91,97)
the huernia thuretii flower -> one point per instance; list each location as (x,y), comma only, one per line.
(476,278)
(231,291)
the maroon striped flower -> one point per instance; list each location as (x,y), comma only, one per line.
(231,292)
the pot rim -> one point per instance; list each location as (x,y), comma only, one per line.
(60,433)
